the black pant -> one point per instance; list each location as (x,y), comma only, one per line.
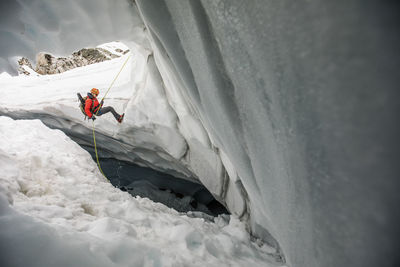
(105,110)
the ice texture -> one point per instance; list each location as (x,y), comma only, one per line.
(302,99)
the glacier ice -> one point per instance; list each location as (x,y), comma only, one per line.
(286,111)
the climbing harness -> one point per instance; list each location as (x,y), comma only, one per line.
(94,137)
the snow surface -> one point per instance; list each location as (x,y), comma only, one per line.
(56,209)
(136,92)
(54,186)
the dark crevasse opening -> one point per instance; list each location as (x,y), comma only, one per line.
(179,194)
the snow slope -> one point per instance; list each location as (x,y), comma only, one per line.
(56,209)
(149,132)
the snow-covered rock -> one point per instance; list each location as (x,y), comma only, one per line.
(48,64)
(25,67)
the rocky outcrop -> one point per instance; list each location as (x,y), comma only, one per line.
(25,67)
(48,64)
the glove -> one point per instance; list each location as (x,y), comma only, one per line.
(101,103)
(93,118)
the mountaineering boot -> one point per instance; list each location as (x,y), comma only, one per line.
(121,118)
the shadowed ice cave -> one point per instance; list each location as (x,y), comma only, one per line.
(179,194)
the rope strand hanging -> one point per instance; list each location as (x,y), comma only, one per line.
(94,137)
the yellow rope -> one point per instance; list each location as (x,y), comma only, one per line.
(114,81)
(94,137)
(97,156)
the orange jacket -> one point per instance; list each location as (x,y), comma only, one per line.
(89,109)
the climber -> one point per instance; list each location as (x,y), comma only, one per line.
(92,107)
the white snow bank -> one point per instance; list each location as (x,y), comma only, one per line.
(116,48)
(57,209)
(150,124)
(5,76)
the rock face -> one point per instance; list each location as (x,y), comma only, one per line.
(24,66)
(48,64)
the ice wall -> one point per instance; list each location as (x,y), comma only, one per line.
(301,97)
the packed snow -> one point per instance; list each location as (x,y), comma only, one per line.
(58,210)
(135,92)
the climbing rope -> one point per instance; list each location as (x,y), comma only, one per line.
(114,80)
(97,156)
(94,136)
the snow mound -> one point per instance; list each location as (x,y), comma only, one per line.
(55,203)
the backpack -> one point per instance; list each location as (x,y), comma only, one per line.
(82,103)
